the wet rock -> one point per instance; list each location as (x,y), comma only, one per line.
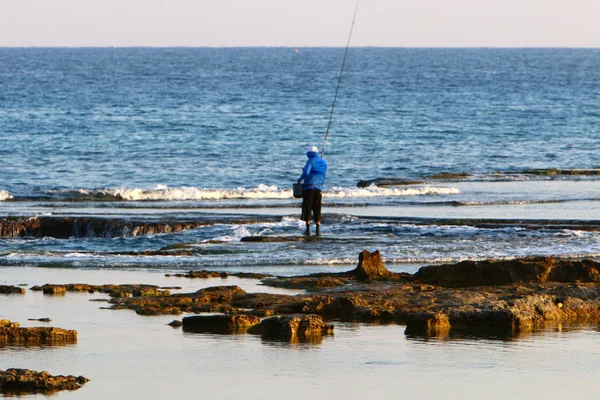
(150,292)
(213,299)
(329,281)
(6,289)
(18,381)
(5,323)
(39,319)
(292,325)
(383,182)
(219,323)
(11,333)
(449,176)
(442,299)
(126,290)
(504,272)
(203,274)
(175,323)
(557,171)
(428,324)
(370,266)
(66,227)
(54,290)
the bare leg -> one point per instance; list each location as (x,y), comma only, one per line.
(307,233)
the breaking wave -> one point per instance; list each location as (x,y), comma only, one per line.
(373,191)
(4,195)
(164,193)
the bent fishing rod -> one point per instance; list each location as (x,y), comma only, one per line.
(339,80)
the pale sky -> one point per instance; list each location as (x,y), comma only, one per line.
(301,23)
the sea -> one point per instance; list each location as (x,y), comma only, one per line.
(434,156)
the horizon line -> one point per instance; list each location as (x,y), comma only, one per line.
(288,46)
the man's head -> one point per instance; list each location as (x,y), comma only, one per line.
(313,149)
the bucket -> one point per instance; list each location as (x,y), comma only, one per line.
(297,189)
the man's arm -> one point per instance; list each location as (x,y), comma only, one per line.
(305,171)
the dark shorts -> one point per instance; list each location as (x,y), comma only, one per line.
(311,203)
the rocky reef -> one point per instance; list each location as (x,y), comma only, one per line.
(66,227)
(504,296)
(23,381)
(204,274)
(12,333)
(126,290)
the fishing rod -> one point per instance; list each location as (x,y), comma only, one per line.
(339,81)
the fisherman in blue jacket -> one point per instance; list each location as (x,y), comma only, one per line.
(313,176)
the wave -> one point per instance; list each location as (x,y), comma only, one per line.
(4,195)
(165,193)
(373,191)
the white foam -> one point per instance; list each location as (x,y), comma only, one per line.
(4,195)
(374,191)
(162,192)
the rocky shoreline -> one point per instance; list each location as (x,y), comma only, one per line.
(489,298)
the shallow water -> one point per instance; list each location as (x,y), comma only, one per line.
(130,356)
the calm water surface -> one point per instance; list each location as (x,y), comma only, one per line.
(129,356)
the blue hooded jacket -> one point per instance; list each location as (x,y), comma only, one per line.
(314,171)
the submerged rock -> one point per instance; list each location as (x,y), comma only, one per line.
(46,319)
(383,182)
(19,381)
(219,323)
(113,290)
(204,274)
(6,289)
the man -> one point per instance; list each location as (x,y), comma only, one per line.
(313,176)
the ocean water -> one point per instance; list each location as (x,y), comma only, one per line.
(110,140)
(158,134)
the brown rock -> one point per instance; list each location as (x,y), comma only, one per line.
(370,266)
(428,324)
(212,299)
(292,325)
(26,381)
(5,289)
(219,323)
(329,282)
(5,323)
(37,335)
(55,290)
(505,272)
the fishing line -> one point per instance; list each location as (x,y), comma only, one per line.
(339,81)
